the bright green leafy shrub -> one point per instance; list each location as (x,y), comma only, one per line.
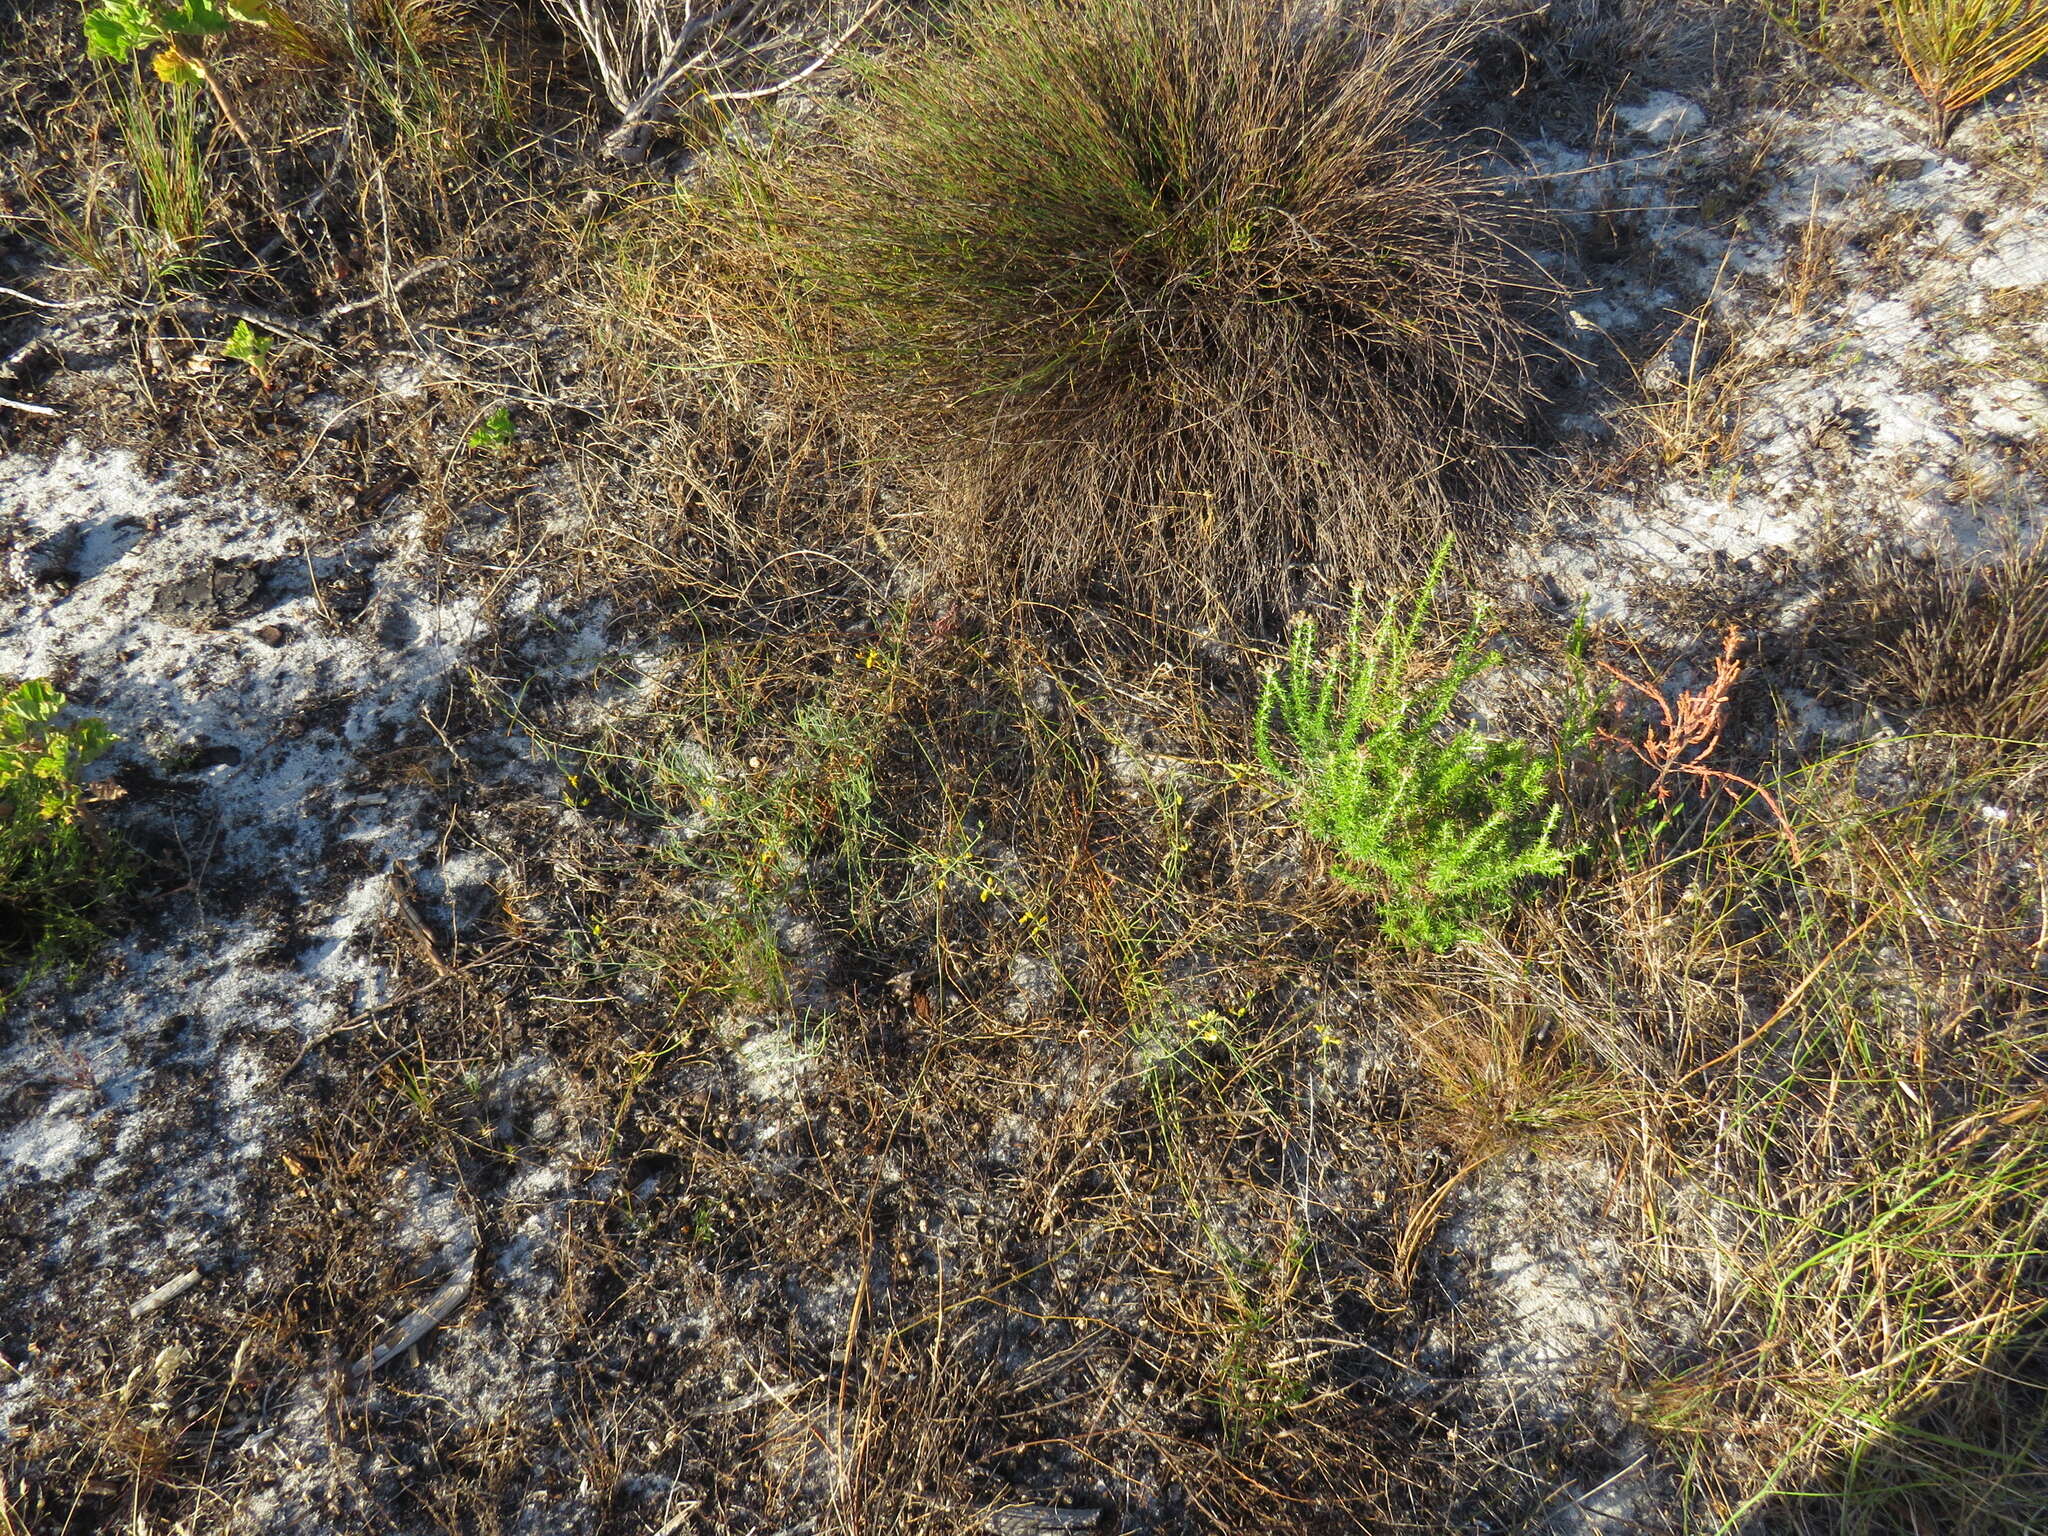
(1440,827)
(56,868)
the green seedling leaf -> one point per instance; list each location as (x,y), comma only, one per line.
(195,18)
(116,28)
(32,705)
(248,345)
(495,431)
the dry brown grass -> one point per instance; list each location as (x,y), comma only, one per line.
(1166,1240)
(1007,1346)
(1177,327)
(1804,1038)
(1777,1028)
(1807,1037)
(1872,1151)
(1965,645)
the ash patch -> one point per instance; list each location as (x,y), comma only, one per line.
(205,633)
(1550,1278)
(270,683)
(1550,1301)
(1837,344)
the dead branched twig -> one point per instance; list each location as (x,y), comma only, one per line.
(1689,733)
(645,50)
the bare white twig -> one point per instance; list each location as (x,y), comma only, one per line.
(824,57)
(397,286)
(645,51)
(29,406)
(29,298)
(642,49)
(165,1294)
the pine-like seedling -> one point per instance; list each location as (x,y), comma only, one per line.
(1440,824)
(1958,52)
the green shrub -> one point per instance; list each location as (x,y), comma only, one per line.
(56,868)
(1441,828)
(1167,294)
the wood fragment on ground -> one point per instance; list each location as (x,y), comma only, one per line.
(1041,1520)
(439,1308)
(165,1294)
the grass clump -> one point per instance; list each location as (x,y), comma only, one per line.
(56,868)
(1873,1149)
(1171,295)
(167,147)
(150,219)
(1965,646)
(747,797)
(1443,828)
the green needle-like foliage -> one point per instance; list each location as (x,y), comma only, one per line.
(1960,51)
(1440,826)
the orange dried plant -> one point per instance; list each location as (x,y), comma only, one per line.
(1688,732)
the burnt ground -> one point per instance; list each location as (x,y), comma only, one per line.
(639,1014)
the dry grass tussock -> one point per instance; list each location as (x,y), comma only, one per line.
(1967,645)
(1168,296)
